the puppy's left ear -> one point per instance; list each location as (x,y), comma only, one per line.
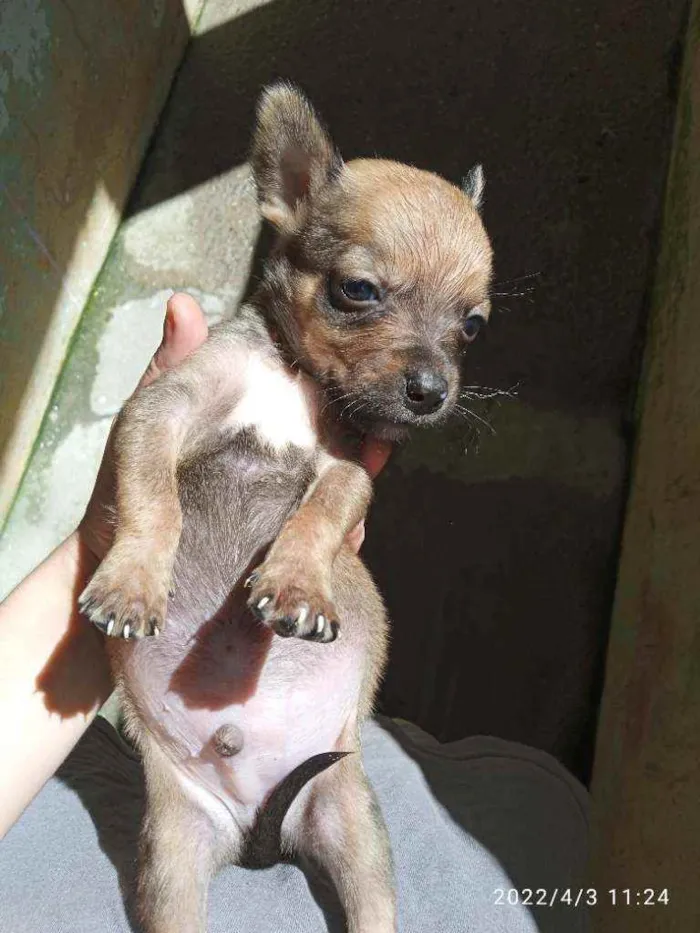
(473,185)
(292,157)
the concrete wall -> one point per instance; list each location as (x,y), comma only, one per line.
(646,809)
(81,87)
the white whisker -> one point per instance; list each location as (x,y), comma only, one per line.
(469,412)
(486,392)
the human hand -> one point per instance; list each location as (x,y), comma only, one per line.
(374,455)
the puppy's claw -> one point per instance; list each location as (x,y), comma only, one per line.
(301,616)
(285,627)
(124,600)
(324,630)
(259,608)
(84,603)
(292,609)
(104,624)
(252,579)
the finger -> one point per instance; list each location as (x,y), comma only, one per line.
(185,328)
(374,455)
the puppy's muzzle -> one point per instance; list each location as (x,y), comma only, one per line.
(425,392)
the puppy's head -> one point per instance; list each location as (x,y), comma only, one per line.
(381,273)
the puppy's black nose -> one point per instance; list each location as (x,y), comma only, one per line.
(426,390)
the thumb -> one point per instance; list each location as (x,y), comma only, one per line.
(184,330)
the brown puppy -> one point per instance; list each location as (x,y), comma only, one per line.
(229,464)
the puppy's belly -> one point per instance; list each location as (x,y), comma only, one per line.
(215,664)
(286,700)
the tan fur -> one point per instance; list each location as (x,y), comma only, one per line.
(412,234)
(340,818)
(298,567)
(423,231)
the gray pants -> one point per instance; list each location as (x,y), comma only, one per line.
(472,824)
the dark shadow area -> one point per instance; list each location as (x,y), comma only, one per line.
(80,649)
(499,639)
(323,892)
(499,591)
(209,676)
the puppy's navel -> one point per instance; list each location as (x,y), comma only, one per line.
(227,741)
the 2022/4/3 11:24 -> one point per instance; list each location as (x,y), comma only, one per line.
(582,897)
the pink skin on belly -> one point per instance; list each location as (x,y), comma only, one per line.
(290,699)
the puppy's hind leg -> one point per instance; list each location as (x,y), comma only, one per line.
(342,831)
(180,851)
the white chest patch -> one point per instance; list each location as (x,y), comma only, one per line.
(278,405)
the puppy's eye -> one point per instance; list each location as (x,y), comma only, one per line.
(472,326)
(359,290)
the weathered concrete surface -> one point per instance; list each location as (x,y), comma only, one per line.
(497,565)
(646,811)
(81,86)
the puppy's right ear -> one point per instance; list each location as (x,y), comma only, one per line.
(292,156)
(473,185)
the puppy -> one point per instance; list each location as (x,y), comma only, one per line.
(247,708)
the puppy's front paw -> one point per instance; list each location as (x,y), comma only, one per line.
(293,608)
(127,597)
